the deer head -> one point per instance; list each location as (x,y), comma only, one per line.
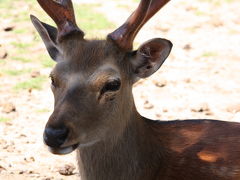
(92,80)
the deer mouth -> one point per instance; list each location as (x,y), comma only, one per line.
(63,150)
(71,148)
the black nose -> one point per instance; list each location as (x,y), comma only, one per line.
(55,137)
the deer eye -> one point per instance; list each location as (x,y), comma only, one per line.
(113,85)
(53,82)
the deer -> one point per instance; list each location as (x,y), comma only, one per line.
(95,114)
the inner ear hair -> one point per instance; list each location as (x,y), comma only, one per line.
(48,34)
(150,56)
(52,32)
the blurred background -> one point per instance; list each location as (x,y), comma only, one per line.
(200,79)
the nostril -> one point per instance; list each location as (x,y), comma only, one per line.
(55,137)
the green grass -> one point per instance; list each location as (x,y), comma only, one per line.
(20,30)
(4,119)
(209,54)
(200,13)
(21,51)
(21,45)
(87,16)
(44,110)
(33,83)
(5,3)
(24,50)
(45,60)
(48,63)
(218,2)
(90,20)
(2,61)
(21,59)
(13,72)
(24,16)
(124,6)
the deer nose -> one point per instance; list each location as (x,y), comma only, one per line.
(55,137)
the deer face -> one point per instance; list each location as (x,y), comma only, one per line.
(91,82)
(88,89)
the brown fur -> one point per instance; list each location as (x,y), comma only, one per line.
(131,146)
(99,117)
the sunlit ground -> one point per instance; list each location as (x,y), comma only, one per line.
(200,79)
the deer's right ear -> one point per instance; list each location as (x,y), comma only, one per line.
(150,56)
(49,36)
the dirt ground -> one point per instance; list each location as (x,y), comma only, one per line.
(200,79)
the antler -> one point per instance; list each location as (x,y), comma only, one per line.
(125,34)
(62,13)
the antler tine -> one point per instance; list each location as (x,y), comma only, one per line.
(62,13)
(125,34)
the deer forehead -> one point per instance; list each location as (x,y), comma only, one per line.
(89,56)
(86,53)
(80,76)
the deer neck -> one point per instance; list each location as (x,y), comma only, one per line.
(128,156)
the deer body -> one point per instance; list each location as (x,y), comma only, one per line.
(94,111)
(174,150)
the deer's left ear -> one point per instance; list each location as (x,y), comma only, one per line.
(48,34)
(150,56)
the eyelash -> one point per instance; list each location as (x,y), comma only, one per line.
(52,80)
(111,86)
